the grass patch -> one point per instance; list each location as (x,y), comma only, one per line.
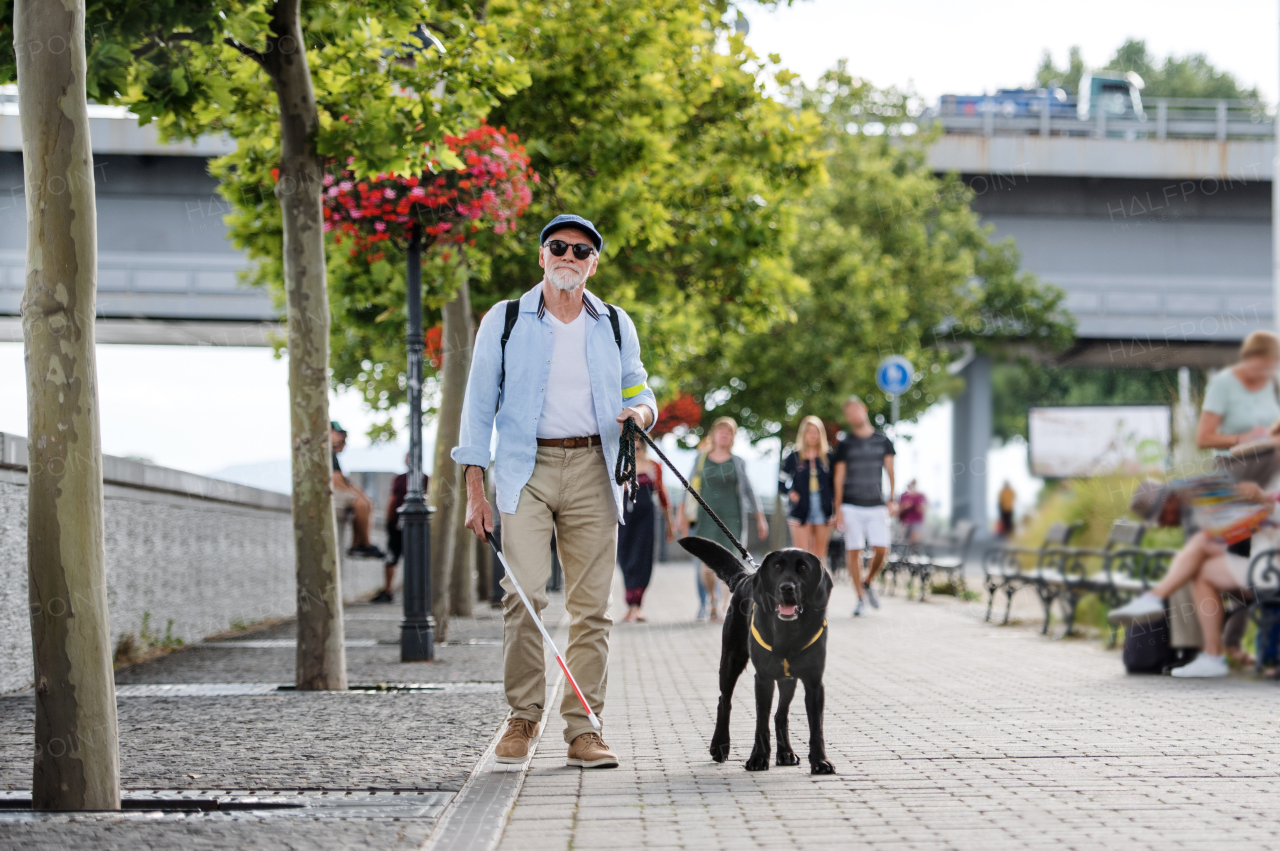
(147,645)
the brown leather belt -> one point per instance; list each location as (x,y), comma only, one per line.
(570,442)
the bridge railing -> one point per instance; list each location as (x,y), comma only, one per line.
(1164,118)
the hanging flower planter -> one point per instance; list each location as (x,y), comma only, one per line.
(490,191)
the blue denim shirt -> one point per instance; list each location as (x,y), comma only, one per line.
(618,380)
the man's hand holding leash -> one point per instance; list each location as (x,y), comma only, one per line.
(480,512)
(641,414)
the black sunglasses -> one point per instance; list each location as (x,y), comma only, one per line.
(581,250)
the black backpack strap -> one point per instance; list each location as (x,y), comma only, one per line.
(617,326)
(513,314)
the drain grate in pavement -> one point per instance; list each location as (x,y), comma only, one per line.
(258,689)
(225,804)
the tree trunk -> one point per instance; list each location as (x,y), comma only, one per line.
(321,659)
(446,529)
(459,331)
(77,762)
(462,591)
(444,481)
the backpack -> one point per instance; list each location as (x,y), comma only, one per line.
(1147,649)
(513,314)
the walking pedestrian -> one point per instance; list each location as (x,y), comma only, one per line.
(1007,498)
(911,508)
(636,533)
(395,533)
(721,478)
(807,477)
(562,370)
(861,460)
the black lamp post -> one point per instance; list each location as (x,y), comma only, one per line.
(417,630)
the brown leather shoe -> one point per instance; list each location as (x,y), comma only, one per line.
(590,751)
(513,747)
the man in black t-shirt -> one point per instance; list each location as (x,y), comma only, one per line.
(860,460)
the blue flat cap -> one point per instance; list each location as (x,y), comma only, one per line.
(566,221)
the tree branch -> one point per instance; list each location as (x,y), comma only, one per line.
(246,50)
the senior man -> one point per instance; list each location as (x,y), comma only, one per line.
(563,371)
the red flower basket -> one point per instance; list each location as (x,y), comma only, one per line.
(491,190)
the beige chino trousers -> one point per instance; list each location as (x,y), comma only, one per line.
(571,493)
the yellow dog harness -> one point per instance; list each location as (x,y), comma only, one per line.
(786,665)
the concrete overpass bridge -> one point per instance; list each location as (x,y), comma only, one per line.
(1159,231)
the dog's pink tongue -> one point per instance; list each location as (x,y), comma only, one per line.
(785,610)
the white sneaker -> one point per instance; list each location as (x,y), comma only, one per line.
(870,596)
(860,609)
(1142,609)
(1203,666)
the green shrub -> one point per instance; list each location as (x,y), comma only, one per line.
(1098,503)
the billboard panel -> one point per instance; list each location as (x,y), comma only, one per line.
(1097,441)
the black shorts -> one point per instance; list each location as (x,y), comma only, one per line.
(395,544)
(1241,548)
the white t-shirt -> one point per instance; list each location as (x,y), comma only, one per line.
(568,407)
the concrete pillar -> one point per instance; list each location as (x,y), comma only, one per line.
(970,440)
(1275,225)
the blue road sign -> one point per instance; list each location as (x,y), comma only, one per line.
(895,375)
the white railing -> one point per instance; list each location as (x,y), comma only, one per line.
(1164,118)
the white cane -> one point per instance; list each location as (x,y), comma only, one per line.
(546,636)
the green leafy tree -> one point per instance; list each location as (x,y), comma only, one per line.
(1048,75)
(896,263)
(1017,386)
(636,119)
(350,82)
(1189,76)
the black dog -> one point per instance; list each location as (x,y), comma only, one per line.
(777,618)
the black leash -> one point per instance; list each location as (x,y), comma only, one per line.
(625,474)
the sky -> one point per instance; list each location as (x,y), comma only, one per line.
(210,410)
(958,47)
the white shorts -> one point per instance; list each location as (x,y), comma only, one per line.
(865,525)
(1238,566)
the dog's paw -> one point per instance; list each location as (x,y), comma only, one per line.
(757,762)
(719,751)
(788,758)
(821,766)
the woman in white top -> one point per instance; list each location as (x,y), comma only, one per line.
(1242,402)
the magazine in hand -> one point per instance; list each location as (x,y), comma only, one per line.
(1219,510)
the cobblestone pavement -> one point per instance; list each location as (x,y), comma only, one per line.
(341,744)
(946,732)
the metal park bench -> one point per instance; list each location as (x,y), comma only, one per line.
(945,553)
(1005,569)
(903,553)
(1264,582)
(1116,572)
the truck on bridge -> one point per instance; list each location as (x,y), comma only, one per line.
(1120,95)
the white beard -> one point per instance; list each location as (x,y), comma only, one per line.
(565,278)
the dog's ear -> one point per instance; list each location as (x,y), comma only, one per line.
(722,562)
(823,592)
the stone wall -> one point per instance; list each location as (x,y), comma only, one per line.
(199,552)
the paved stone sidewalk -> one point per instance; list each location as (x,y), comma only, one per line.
(946,732)
(384,764)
